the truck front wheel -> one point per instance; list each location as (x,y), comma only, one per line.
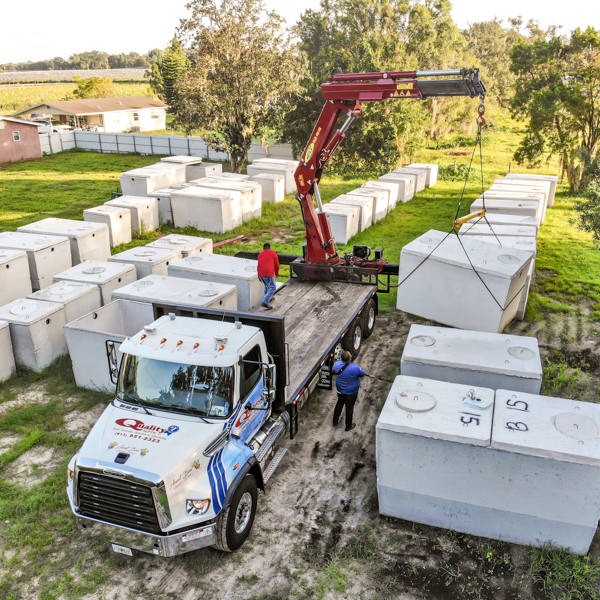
(235,522)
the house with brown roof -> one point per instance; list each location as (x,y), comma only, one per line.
(19,139)
(111,115)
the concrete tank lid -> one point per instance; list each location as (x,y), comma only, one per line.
(394,175)
(95,271)
(507,241)
(524,188)
(548,427)
(146,254)
(226,184)
(416,170)
(180,242)
(26,310)
(128,201)
(507,180)
(273,176)
(514,219)
(207,193)
(165,287)
(500,229)
(474,350)
(485,256)
(219,264)
(182,159)
(29,241)
(436,409)
(67,227)
(104,209)
(346,209)
(356,200)
(369,193)
(161,193)
(380,184)
(503,204)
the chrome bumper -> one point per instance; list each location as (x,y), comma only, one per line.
(161,545)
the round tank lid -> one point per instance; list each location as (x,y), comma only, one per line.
(413,401)
(521,353)
(27,307)
(93,270)
(105,209)
(178,241)
(145,253)
(208,293)
(576,426)
(422,340)
(143,283)
(194,258)
(251,269)
(429,240)
(61,290)
(508,259)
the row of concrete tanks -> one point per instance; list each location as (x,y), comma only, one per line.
(466,442)
(357,210)
(480,279)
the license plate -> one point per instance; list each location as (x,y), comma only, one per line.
(122,550)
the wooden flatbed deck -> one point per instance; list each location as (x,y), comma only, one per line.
(316,314)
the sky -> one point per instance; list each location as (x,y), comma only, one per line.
(116,26)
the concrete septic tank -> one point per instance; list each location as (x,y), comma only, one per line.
(420,174)
(273,187)
(89,241)
(117,219)
(437,282)
(432,172)
(143,211)
(147,261)
(204,170)
(47,255)
(145,180)
(275,169)
(219,268)
(36,331)
(78,298)
(497,188)
(365,205)
(492,360)
(87,337)
(250,194)
(530,177)
(497,229)
(381,201)
(176,291)
(163,198)
(552,480)
(521,208)
(7,357)
(392,186)
(191,164)
(538,198)
(186,244)
(407,184)
(108,276)
(15,278)
(500,219)
(206,209)
(344,221)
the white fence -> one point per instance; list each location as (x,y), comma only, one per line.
(126,143)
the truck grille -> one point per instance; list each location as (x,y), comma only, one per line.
(117,501)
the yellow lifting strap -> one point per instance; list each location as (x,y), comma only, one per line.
(462,220)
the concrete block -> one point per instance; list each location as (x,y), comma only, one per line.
(540,199)
(78,298)
(206,209)
(437,281)
(520,208)
(145,180)
(204,170)
(480,227)
(219,268)
(15,278)
(182,159)
(522,189)
(432,172)
(163,198)
(381,201)
(186,244)
(7,357)
(179,292)
(143,211)
(89,241)
(287,172)
(147,261)
(392,186)
(365,205)
(250,194)
(87,337)
(344,221)
(108,276)
(273,187)
(117,219)
(492,360)
(407,184)
(47,255)
(553,179)
(420,174)
(36,331)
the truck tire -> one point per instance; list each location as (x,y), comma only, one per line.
(353,339)
(368,318)
(235,522)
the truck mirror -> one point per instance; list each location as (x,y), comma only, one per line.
(248,405)
(113,365)
(270,379)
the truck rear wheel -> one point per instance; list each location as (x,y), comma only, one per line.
(353,339)
(235,522)
(368,318)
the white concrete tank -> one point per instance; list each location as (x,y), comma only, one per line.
(143,181)
(365,205)
(176,291)
(344,221)
(392,186)
(163,198)
(407,184)
(190,162)
(186,244)
(420,174)
(47,255)
(508,186)
(381,201)
(7,357)
(219,268)
(480,227)
(89,241)
(15,278)
(432,172)
(539,199)
(78,298)
(36,331)
(250,193)
(520,208)
(261,168)
(206,209)
(87,337)
(204,170)
(273,187)
(491,360)
(437,282)
(108,276)
(143,211)
(147,261)
(117,219)
(553,179)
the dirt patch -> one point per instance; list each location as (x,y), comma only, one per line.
(36,394)
(7,442)
(33,466)
(78,424)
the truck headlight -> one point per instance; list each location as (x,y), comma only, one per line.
(197,507)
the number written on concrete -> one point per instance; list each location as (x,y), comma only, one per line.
(471,418)
(518,405)
(517,426)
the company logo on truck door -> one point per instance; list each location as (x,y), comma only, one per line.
(150,433)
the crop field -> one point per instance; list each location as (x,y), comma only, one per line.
(318,532)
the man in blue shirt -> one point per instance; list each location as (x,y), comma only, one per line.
(347,384)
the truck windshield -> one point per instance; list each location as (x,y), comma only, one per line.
(204,391)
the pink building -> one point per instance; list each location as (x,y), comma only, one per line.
(19,139)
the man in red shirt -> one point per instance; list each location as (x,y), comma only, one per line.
(268,269)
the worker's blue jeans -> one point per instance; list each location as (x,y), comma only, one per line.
(269,283)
